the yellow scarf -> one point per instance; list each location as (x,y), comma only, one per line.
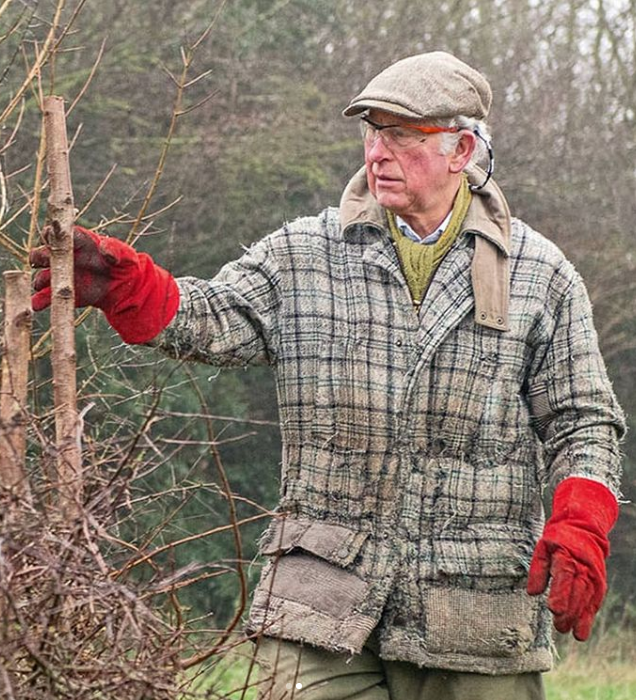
(420,261)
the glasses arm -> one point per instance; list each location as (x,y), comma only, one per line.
(491,160)
(417,127)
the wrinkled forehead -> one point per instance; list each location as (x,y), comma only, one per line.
(383,117)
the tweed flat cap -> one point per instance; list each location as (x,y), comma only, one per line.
(426,86)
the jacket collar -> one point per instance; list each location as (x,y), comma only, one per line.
(359,206)
(488,219)
(488,215)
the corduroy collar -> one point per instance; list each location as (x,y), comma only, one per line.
(488,215)
(488,218)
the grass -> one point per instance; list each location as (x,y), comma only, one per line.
(603,669)
(589,681)
(226,679)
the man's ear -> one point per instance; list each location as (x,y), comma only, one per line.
(463,152)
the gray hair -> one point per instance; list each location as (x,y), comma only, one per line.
(477,126)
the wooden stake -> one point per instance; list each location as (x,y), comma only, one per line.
(13,392)
(61,216)
(13,421)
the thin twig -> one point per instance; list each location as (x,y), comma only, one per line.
(238,543)
(207,443)
(181,83)
(226,419)
(4,6)
(97,192)
(39,170)
(186,540)
(14,28)
(198,104)
(88,80)
(4,201)
(16,128)
(40,60)
(71,22)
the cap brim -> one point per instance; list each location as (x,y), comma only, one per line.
(357,107)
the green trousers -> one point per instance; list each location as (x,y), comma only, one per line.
(290,671)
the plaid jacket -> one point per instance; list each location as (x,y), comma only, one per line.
(415,447)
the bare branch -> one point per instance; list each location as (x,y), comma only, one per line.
(97,192)
(88,80)
(12,136)
(193,81)
(186,540)
(198,104)
(40,60)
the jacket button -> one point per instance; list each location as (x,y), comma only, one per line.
(500,321)
(483,316)
(343,553)
(398,342)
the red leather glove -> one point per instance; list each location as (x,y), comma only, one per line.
(138,297)
(572,552)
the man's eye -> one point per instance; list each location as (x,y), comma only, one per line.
(402,134)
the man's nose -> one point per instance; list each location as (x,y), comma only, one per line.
(378,150)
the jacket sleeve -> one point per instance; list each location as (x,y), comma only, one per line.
(232,319)
(573,404)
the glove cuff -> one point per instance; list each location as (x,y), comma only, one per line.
(586,501)
(145,307)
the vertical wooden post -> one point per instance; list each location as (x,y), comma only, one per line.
(15,371)
(61,215)
(13,422)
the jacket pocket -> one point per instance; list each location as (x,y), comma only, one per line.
(478,605)
(308,566)
(485,557)
(481,625)
(502,496)
(337,544)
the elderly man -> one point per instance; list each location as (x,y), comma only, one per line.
(436,367)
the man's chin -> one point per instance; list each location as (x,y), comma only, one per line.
(389,200)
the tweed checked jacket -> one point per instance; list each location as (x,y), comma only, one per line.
(415,445)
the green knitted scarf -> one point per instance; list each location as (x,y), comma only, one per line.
(420,261)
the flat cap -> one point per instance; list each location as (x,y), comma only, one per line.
(432,85)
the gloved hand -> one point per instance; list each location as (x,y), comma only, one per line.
(138,297)
(572,552)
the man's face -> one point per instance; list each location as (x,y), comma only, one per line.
(411,181)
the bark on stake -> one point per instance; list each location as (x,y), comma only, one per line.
(14,486)
(15,372)
(61,215)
